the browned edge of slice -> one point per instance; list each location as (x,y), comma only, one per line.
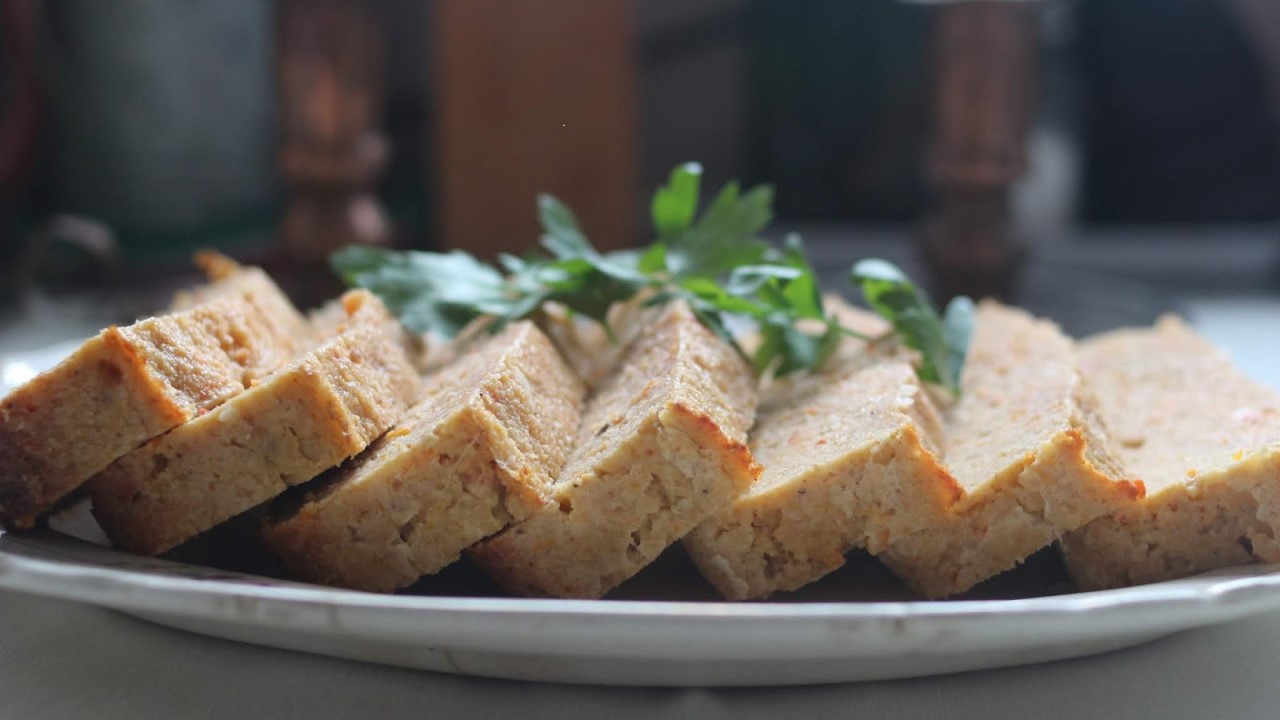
(1024,441)
(129,384)
(1206,440)
(479,453)
(849,463)
(661,447)
(1055,490)
(326,406)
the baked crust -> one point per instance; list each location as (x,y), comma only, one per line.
(129,384)
(848,463)
(660,448)
(480,452)
(1024,442)
(324,407)
(1206,441)
(858,457)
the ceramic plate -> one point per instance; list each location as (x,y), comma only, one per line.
(631,642)
(663,627)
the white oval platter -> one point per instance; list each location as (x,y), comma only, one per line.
(631,642)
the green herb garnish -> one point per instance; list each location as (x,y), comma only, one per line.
(715,260)
(942,342)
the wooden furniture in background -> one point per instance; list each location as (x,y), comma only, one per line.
(333,152)
(984,55)
(534,97)
(20,115)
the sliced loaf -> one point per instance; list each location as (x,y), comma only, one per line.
(129,384)
(661,447)
(479,453)
(324,407)
(1205,440)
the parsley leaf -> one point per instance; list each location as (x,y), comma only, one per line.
(788,292)
(715,261)
(564,239)
(724,236)
(675,203)
(942,343)
(427,291)
(957,330)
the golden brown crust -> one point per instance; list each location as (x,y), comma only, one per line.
(478,453)
(848,464)
(1228,517)
(854,458)
(326,406)
(699,425)
(1024,442)
(1055,488)
(1206,442)
(660,447)
(132,383)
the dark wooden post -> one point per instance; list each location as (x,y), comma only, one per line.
(534,97)
(333,152)
(984,64)
(20,118)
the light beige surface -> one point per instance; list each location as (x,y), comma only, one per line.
(1206,441)
(660,448)
(1027,448)
(323,408)
(479,453)
(129,384)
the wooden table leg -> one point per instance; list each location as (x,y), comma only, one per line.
(20,118)
(333,151)
(984,65)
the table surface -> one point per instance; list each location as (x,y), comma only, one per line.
(63,660)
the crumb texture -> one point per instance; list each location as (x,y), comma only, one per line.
(1203,438)
(1023,441)
(848,463)
(479,452)
(859,457)
(324,407)
(661,446)
(129,384)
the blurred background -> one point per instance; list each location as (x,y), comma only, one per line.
(1113,155)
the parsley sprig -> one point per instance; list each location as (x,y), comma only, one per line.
(941,341)
(715,260)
